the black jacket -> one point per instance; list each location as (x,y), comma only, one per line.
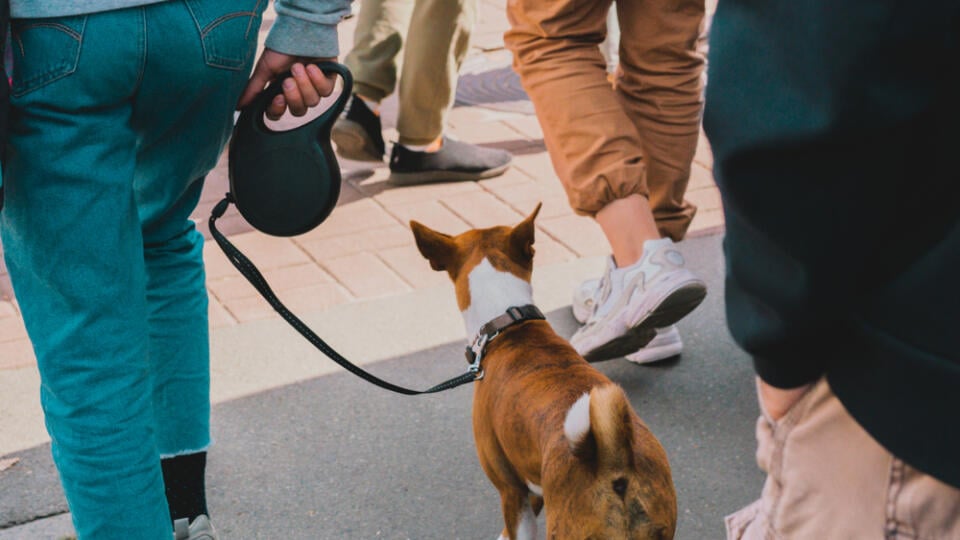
(835,128)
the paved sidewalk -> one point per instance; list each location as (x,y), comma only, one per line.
(365,249)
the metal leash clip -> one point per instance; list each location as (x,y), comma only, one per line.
(475,355)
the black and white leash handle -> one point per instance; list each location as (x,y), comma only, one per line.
(249,271)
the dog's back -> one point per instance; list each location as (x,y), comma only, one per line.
(601,472)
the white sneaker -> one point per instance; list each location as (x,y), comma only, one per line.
(199,529)
(666,344)
(635,301)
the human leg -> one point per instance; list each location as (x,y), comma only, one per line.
(179,145)
(861,491)
(438,42)
(378,39)
(84,263)
(374,62)
(661,89)
(597,153)
(72,241)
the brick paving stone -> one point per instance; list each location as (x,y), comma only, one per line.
(409,264)
(528,126)
(432,214)
(510,177)
(393,195)
(268,252)
(365,275)
(216,263)
(700,177)
(708,221)
(525,195)
(580,234)
(303,300)
(706,198)
(280,279)
(361,215)
(490,132)
(482,210)
(11,328)
(549,251)
(537,166)
(217,315)
(704,154)
(467,118)
(16,354)
(375,240)
(7,309)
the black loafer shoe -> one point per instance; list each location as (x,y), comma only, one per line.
(358,133)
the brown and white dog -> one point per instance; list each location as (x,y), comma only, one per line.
(551,431)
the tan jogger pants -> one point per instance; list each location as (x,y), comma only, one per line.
(607,144)
(828,479)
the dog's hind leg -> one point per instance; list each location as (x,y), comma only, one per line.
(518,516)
(536,503)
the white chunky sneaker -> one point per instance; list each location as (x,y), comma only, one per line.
(633,302)
(199,529)
(666,344)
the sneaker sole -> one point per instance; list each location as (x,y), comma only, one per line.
(353,142)
(672,308)
(649,354)
(413,178)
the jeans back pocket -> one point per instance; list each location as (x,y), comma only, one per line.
(228,35)
(44,50)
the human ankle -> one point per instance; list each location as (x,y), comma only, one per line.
(433,146)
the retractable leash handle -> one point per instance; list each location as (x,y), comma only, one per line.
(287,183)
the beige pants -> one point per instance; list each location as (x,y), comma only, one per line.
(828,479)
(608,144)
(434,36)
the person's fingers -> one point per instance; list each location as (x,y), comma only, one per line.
(305,85)
(276,108)
(323,84)
(258,81)
(291,92)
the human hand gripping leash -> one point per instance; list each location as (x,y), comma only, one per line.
(285,183)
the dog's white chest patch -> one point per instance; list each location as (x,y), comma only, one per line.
(492,292)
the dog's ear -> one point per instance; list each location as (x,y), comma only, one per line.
(436,247)
(522,236)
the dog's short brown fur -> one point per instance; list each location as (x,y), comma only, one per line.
(605,479)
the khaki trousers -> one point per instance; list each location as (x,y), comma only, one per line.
(434,36)
(607,144)
(828,479)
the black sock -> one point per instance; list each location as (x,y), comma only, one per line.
(183,477)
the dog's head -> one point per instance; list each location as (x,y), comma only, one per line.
(618,484)
(508,250)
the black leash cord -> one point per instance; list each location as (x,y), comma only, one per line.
(249,271)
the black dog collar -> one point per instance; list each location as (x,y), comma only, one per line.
(492,329)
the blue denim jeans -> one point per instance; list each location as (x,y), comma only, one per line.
(116,118)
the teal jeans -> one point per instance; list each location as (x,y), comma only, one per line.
(116,118)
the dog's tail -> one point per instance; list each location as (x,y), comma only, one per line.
(599,427)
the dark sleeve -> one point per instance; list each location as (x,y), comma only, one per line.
(833,127)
